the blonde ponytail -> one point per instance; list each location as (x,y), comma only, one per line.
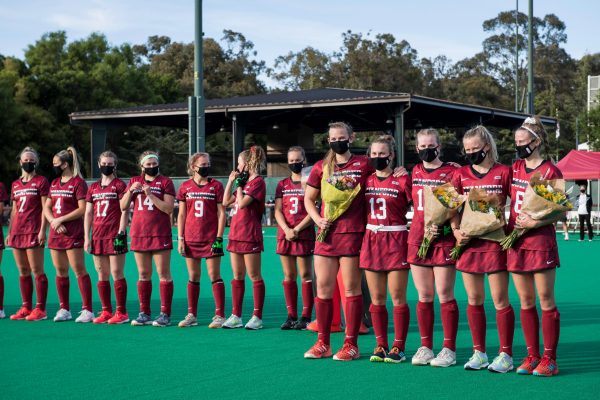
(71,157)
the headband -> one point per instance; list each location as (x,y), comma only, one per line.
(530,130)
(147,157)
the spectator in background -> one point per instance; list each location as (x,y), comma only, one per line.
(584,202)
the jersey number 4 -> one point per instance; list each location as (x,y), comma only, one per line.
(378,208)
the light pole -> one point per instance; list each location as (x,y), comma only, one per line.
(530,94)
(197,128)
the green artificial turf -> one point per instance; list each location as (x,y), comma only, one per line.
(47,360)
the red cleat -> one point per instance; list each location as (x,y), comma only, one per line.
(363,329)
(118,318)
(319,350)
(348,352)
(314,327)
(103,318)
(37,315)
(527,366)
(546,367)
(21,314)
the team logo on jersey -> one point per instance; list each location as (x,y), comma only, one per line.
(497,177)
(356,164)
(212,188)
(159,183)
(442,175)
(396,183)
(464,179)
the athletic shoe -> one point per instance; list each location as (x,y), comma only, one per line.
(141,320)
(527,366)
(103,318)
(2,314)
(546,367)
(477,361)
(63,315)
(318,350)
(394,356)
(37,315)
(363,330)
(314,327)
(288,324)
(85,316)
(233,322)
(379,354)
(423,356)
(217,322)
(189,320)
(348,352)
(445,358)
(118,318)
(254,323)
(502,363)
(21,314)
(302,324)
(162,320)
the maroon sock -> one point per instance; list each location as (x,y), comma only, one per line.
(550,331)
(144,295)
(258,287)
(41,291)
(505,320)
(308,299)
(166,296)
(379,316)
(337,307)
(425,320)
(354,310)
(62,287)
(218,288)
(449,311)
(1,292)
(476,318)
(85,288)
(26,285)
(104,293)
(530,323)
(290,292)
(193,289)
(324,309)
(121,295)
(238,287)
(401,321)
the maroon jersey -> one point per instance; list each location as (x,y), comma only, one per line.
(387,200)
(422,177)
(148,220)
(292,205)
(27,200)
(246,222)
(3,199)
(201,218)
(535,239)
(495,181)
(358,167)
(106,208)
(65,197)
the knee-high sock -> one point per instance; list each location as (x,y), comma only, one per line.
(1,292)
(237,296)
(144,295)
(41,291)
(324,308)
(379,316)
(166,296)
(401,322)
(290,292)
(62,287)
(121,295)
(550,331)
(85,288)
(425,317)
(218,288)
(449,311)
(530,322)
(26,286)
(354,311)
(505,320)
(193,292)
(258,289)
(337,307)
(477,321)
(104,293)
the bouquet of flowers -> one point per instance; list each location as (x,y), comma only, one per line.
(544,199)
(337,193)
(482,218)
(441,204)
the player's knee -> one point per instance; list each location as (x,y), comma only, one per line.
(527,301)
(547,300)
(378,299)
(475,299)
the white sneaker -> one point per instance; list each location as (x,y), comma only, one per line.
(254,323)
(63,315)
(217,322)
(477,361)
(189,320)
(566,237)
(233,322)
(445,358)
(85,316)
(2,314)
(423,356)
(502,363)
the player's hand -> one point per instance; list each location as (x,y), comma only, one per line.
(41,238)
(400,171)
(87,246)
(233,175)
(524,221)
(146,189)
(217,247)
(181,246)
(290,234)
(61,229)
(242,179)
(456,165)
(135,186)
(323,223)
(56,222)
(119,243)
(434,230)
(461,238)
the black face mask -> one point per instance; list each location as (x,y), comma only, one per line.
(28,167)
(340,147)
(379,163)
(244,175)
(203,171)
(582,190)
(525,151)
(151,171)
(296,167)
(476,158)
(58,171)
(107,170)
(428,155)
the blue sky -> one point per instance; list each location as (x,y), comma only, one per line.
(432,27)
